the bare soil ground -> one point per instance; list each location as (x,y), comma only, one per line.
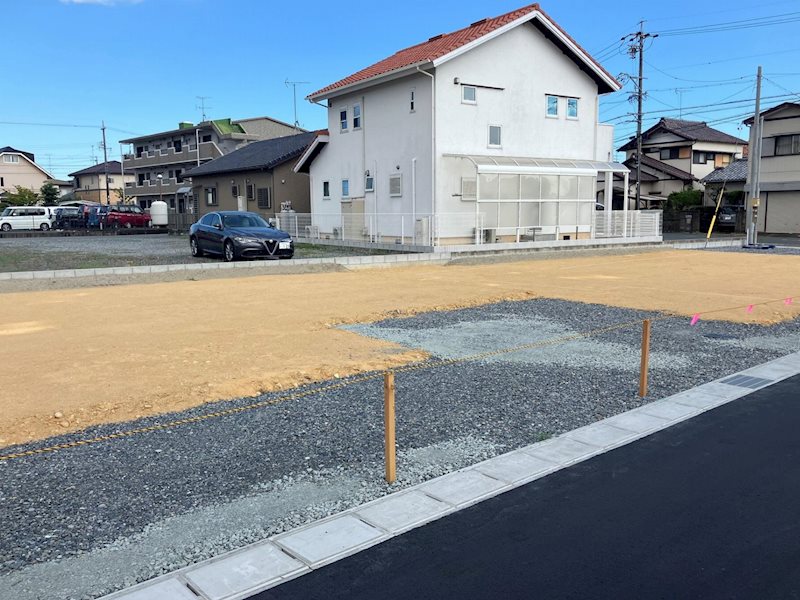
(107,354)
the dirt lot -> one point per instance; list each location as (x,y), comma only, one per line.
(98,355)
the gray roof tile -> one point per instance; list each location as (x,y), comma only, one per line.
(697,131)
(736,171)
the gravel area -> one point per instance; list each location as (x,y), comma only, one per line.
(785,250)
(88,252)
(85,521)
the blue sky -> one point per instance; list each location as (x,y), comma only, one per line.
(140,64)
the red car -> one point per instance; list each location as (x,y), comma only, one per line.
(127,215)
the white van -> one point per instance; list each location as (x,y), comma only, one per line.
(27,217)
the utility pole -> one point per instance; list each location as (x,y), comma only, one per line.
(105,163)
(637,49)
(294,85)
(754,154)
(202,108)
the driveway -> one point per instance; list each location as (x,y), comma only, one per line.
(705,509)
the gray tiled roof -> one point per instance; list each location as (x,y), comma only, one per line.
(736,171)
(265,154)
(697,131)
(658,165)
(114,168)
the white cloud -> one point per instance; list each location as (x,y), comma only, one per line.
(101,2)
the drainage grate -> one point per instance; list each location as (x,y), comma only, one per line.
(745,381)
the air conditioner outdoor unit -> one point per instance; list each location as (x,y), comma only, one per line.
(337,233)
(489,236)
(312,231)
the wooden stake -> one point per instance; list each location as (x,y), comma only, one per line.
(388,417)
(645,358)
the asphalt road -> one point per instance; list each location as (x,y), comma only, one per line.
(706,509)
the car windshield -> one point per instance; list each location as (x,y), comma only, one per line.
(6,212)
(243,221)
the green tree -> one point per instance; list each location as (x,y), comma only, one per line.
(49,194)
(21,197)
(684,199)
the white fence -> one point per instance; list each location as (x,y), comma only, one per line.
(639,223)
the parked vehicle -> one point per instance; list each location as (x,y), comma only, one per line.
(234,234)
(126,215)
(68,217)
(27,217)
(726,218)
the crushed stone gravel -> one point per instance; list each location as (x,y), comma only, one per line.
(85,521)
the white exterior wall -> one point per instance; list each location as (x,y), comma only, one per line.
(391,136)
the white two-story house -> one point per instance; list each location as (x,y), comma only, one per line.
(484,134)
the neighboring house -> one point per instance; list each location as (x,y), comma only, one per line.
(258,177)
(691,147)
(19,168)
(158,161)
(469,136)
(732,178)
(779,208)
(90,183)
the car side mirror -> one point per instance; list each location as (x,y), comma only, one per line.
(218,226)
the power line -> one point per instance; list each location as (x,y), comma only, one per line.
(750,23)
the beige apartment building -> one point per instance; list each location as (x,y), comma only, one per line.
(103,183)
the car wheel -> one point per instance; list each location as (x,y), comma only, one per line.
(115,225)
(6,227)
(44,227)
(229,253)
(128,225)
(197,252)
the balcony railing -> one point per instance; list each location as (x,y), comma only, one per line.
(168,156)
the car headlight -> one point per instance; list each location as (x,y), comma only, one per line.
(245,240)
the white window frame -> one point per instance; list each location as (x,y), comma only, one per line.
(547,106)
(396,177)
(326,186)
(11,159)
(413,100)
(344,124)
(463,97)
(347,183)
(369,183)
(469,197)
(360,117)
(489,133)
(577,109)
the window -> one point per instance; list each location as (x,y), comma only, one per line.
(552,106)
(234,190)
(211,196)
(345,188)
(326,190)
(413,100)
(251,192)
(206,138)
(110,179)
(701,158)
(207,219)
(215,220)
(141,178)
(495,136)
(343,119)
(264,198)
(669,153)
(3,182)
(179,175)
(357,116)
(572,108)
(178,145)
(395,185)
(787,144)
(469,94)
(369,184)
(11,158)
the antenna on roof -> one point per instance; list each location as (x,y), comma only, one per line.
(294,85)
(202,108)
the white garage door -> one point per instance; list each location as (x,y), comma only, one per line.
(783,212)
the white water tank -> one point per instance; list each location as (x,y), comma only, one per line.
(159,213)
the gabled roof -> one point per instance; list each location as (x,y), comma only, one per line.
(694,131)
(320,141)
(114,168)
(265,154)
(773,110)
(649,161)
(10,150)
(441,48)
(734,172)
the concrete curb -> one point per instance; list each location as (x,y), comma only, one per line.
(266,564)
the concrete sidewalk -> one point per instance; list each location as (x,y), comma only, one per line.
(262,566)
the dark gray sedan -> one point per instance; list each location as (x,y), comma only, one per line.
(234,235)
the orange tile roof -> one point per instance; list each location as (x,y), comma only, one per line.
(441,45)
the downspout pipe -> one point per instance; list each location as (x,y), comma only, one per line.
(433,152)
